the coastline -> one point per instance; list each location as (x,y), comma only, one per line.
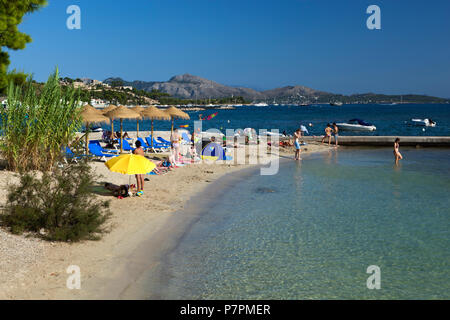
(141,230)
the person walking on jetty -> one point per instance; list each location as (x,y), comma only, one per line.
(336,134)
(328,132)
(398,156)
(297,136)
(139,177)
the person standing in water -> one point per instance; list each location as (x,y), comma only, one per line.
(328,131)
(398,156)
(336,134)
(297,136)
(139,177)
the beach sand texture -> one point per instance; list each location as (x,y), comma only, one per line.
(34,269)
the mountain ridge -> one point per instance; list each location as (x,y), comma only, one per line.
(187,86)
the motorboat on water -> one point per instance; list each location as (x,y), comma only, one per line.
(356,125)
(261,104)
(95,129)
(336,104)
(423,122)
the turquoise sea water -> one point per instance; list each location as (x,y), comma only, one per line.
(311,231)
(389,120)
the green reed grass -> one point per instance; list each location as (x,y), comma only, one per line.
(37,126)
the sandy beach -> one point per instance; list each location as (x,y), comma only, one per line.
(140,228)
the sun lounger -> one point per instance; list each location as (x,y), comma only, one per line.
(156,145)
(97,152)
(72,157)
(103,149)
(164,141)
(126,145)
(186,139)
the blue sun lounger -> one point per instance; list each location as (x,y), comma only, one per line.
(126,145)
(72,157)
(186,138)
(103,149)
(157,146)
(163,141)
(97,152)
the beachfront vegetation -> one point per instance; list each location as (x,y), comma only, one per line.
(11,14)
(37,123)
(59,206)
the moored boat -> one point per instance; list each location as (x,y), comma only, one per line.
(423,122)
(356,125)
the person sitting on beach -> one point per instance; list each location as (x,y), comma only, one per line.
(160,168)
(139,177)
(106,135)
(336,133)
(328,132)
(398,156)
(125,135)
(297,136)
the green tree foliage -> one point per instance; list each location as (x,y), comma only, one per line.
(11,15)
(59,206)
(17,78)
(117,83)
(37,123)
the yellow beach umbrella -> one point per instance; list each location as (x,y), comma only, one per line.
(139,110)
(175,113)
(91,115)
(130,164)
(153,113)
(121,113)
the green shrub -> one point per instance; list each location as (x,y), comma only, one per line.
(59,206)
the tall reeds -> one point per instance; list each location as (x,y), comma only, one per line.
(36,126)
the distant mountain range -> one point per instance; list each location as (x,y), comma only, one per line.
(188,86)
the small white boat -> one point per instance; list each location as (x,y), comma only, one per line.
(261,104)
(95,129)
(356,125)
(336,104)
(423,122)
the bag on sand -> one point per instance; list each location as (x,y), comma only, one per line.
(118,191)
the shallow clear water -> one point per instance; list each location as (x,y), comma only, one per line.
(311,231)
(389,120)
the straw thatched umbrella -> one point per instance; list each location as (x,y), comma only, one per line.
(92,109)
(153,113)
(91,115)
(104,112)
(139,110)
(122,113)
(175,113)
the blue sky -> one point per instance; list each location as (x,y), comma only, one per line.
(323,44)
